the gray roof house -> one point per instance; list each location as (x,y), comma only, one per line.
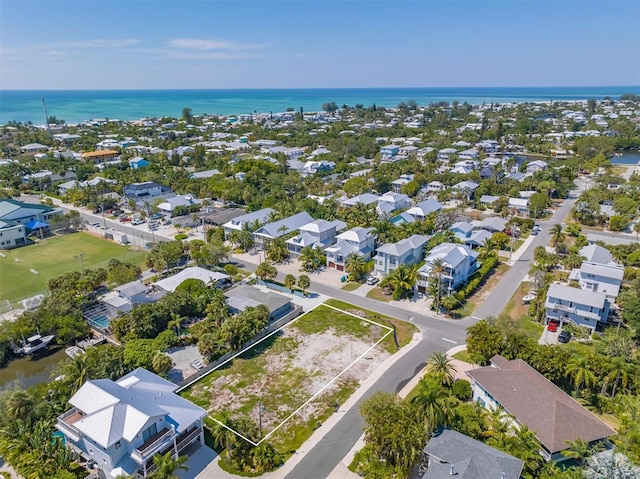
(121,425)
(236,224)
(205,174)
(241,297)
(390,202)
(282,227)
(358,240)
(407,251)
(208,277)
(596,254)
(365,199)
(492,224)
(424,208)
(534,401)
(452,453)
(605,278)
(460,262)
(317,234)
(577,306)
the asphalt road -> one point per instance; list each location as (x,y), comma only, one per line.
(510,282)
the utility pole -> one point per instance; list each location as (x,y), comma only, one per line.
(260,411)
(79,258)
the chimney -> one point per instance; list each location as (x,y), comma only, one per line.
(502,475)
(452,472)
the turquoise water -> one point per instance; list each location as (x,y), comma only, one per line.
(101,321)
(78,105)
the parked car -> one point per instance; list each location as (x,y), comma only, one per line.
(564,337)
(138,222)
(124,219)
(535,230)
(553,326)
(372,280)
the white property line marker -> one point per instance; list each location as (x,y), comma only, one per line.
(449,340)
(389,331)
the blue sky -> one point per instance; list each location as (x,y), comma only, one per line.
(303,44)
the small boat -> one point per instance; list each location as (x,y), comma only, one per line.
(74,351)
(528,298)
(33,344)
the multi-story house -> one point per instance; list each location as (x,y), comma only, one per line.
(390,202)
(120,426)
(445,154)
(603,278)
(145,190)
(255,218)
(579,307)
(359,241)
(277,229)
(424,208)
(317,234)
(459,260)
(12,234)
(407,251)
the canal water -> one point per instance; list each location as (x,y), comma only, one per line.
(627,158)
(29,371)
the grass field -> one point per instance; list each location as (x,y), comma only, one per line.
(52,257)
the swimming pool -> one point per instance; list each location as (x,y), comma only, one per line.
(102,321)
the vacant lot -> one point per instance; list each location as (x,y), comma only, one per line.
(292,366)
(52,257)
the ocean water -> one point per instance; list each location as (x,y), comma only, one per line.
(79,105)
(627,158)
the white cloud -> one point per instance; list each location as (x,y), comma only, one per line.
(207,45)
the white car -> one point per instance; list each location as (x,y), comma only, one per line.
(137,222)
(372,280)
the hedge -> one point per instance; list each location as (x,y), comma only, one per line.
(487,266)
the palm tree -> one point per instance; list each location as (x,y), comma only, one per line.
(175,322)
(488,248)
(167,466)
(619,371)
(382,229)
(437,269)
(402,280)
(439,364)
(356,266)
(277,250)
(290,281)
(18,405)
(579,371)
(610,465)
(77,372)
(573,260)
(557,235)
(430,402)
(223,435)
(308,259)
(499,426)
(304,283)
(265,457)
(578,450)
(265,271)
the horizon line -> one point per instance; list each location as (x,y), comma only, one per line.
(315,88)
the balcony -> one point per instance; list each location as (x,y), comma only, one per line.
(560,307)
(66,421)
(151,446)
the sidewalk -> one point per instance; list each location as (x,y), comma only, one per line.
(214,470)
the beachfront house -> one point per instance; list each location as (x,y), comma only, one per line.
(407,251)
(532,400)
(460,262)
(119,426)
(576,306)
(359,241)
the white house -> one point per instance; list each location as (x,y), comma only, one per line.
(255,218)
(12,234)
(424,208)
(576,306)
(359,241)
(390,202)
(445,154)
(122,425)
(535,166)
(365,199)
(180,200)
(603,278)
(407,251)
(459,263)
(279,228)
(317,234)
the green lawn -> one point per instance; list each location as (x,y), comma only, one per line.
(351,286)
(376,293)
(52,257)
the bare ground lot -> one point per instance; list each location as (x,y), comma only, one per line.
(289,368)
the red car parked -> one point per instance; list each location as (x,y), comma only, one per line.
(553,326)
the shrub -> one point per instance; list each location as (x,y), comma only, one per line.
(181,236)
(231,269)
(461,389)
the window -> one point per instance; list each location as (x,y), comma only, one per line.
(117,445)
(150,431)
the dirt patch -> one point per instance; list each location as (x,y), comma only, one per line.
(294,368)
